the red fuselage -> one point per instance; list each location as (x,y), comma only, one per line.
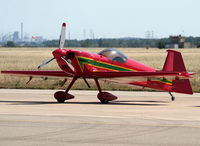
(84,62)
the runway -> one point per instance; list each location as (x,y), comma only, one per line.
(33,117)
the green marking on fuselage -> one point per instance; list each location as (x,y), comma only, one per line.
(181,80)
(166,81)
(83,60)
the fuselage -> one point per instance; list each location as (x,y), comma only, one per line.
(83,62)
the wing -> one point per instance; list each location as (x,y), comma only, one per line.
(38,73)
(140,74)
(127,77)
(161,80)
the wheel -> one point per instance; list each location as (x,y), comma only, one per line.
(105,97)
(60,96)
(173,98)
(61,100)
(104,101)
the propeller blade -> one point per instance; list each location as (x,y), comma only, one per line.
(46,62)
(61,44)
(62,36)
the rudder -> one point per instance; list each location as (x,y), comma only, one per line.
(174,62)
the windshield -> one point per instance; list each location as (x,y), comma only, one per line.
(114,55)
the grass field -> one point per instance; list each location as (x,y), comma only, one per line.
(30,58)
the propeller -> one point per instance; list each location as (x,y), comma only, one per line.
(61,44)
(46,62)
(62,36)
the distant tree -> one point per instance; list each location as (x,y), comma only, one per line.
(10,44)
(86,43)
(161,44)
(198,44)
(100,43)
(116,42)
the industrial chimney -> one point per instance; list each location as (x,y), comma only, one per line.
(22,36)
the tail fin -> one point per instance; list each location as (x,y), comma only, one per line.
(174,62)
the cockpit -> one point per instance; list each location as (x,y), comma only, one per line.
(114,55)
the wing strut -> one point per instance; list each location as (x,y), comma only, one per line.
(30,78)
(86,82)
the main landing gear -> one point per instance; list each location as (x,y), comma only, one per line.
(172,96)
(104,97)
(61,96)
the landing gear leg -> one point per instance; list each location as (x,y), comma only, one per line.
(61,96)
(104,97)
(71,84)
(172,97)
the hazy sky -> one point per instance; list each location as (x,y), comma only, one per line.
(106,18)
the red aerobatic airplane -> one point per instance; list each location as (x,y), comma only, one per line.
(112,65)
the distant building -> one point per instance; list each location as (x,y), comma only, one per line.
(7,37)
(177,42)
(27,38)
(16,36)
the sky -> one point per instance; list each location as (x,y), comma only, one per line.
(103,18)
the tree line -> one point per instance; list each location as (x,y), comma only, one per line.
(133,43)
(123,43)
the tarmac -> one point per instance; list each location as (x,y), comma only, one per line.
(33,117)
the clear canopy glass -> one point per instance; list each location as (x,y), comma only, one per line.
(114,55)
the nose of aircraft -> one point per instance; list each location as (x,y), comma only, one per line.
(59,53)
